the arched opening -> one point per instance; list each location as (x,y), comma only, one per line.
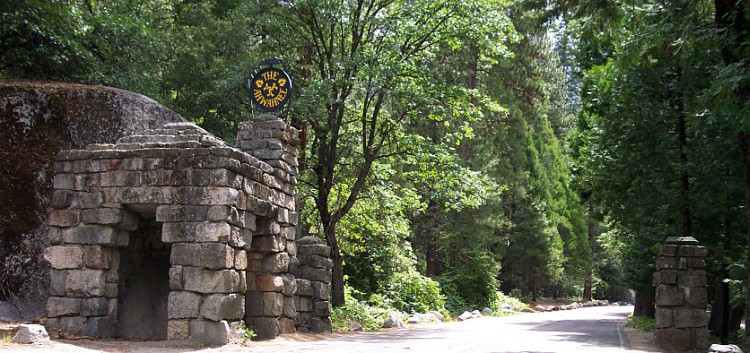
(143,286)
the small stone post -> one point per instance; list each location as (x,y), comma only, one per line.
(681,298)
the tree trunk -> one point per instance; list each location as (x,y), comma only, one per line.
(745,148)
(644,303)
(587,284)
(337,275)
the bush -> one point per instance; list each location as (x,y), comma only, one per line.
(412,292)
(471,284)
(370,314)
(642,323)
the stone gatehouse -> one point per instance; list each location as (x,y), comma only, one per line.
(172,234)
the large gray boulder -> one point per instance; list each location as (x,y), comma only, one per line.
(37,120)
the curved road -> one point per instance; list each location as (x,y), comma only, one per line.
(597,329)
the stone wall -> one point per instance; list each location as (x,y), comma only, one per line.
(681,297)
(227,220)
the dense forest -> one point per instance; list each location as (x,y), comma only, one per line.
(459,151)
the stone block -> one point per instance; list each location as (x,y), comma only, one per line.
(73,325)
(696,297)
(276,263)
(175,232)
(238,238)
(697,251)
(286,326)
(216,255)
(289,232)
(692,279)
(259,207)
(175,278)
(85,283)
(219,307)
(696,262)
(139,195)
(664,317)
(673,340)
(240,259)
(266,328)
(219,213)
(250,279)
(320,249)
(68,182)
(321,325)
(63,218)
(315,274)
(666,277)
(183,305)
(304,287)
(64,256)
(182,213)
(206,195)
(291,248)
(669,295)
(112,307)
(210,281)
(55,235)
(243,282)
(666,263)
(96,257)
(61,199)
(273,303)
(304,304)
(321,291)
(319,262)
(290,284)
(31,334)
(178,329)
(290,307)
(185,254)
(668,250)
(321,309)
(268,243)
(690,317)
(94,306)
(253,304)
(110,290)
(100,326)
(268,283)
(63,306)
(212,232)
(57,279)
(110,216)
(215,333)
(91,234)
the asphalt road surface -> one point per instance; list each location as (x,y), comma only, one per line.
(597,329)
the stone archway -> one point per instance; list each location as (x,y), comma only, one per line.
(226,220)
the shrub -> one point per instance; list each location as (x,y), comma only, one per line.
(369,314)
(412,292)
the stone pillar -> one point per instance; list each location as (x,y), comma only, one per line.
(681,298)
(271,306)
(313,285)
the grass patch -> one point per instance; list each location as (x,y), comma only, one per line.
(641,323)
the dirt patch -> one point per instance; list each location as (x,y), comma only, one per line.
(641,341)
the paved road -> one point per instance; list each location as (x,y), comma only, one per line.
(597,329)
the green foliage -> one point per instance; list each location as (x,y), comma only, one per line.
(471,283)
(369,314)
(245,332)
(412,292)
(642,323)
